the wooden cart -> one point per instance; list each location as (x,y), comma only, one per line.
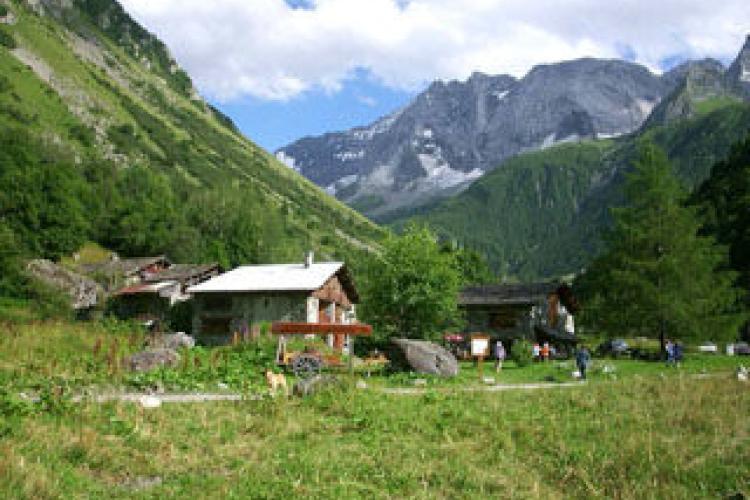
(309,361)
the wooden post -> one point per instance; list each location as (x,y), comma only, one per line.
(480,368)
(351,354)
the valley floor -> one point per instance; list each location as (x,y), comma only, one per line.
(648,432)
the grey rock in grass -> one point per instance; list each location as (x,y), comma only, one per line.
(316,384)
(173,341)
(426,357)
(141,483)
(150,360)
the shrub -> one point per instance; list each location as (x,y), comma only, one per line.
(6,39)
(522,352)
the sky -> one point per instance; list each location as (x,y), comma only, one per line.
(284,69)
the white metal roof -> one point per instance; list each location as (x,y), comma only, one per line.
(270,278)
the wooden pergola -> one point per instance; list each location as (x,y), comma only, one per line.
(307,363)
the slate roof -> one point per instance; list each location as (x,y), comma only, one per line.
(127,267)
(181,272)
(144,288)
(271,278)
(507,294)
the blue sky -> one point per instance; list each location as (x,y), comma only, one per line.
(272,124)
(283,69)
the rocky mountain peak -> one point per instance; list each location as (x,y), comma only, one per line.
(738,74)
(455,131)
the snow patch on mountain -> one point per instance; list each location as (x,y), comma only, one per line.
(342,183)
(287,160)
(602,135)
(500,95)
(441,175)
(350,155)
(645,107)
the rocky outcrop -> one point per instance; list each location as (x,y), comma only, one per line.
(84,292)
(738,74)
(427,357)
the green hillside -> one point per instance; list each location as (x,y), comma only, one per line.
(541,214)
(154,167)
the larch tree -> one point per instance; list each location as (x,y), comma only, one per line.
(658,276)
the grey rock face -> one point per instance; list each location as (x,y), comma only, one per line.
(697,81)
(427,357)
(84,292)
(452,133)
(150,360)
(738,74)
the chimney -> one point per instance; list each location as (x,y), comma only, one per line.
(309,259)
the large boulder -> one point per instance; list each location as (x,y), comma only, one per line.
(171,341)
(150,360)
(426,357)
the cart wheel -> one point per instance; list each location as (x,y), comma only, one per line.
(306,366)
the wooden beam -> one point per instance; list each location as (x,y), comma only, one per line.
(283,328)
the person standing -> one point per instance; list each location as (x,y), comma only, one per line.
(499,355)
(582,361)
(545,351)
(670,352)
(535,351)
(677,353)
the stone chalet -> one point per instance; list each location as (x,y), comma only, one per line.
(157,292)
(541,311)
(240,300)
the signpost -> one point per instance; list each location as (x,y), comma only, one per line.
(480,347)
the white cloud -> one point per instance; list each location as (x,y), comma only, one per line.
(267,49)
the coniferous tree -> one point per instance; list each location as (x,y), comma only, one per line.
(724,202)
(658,276)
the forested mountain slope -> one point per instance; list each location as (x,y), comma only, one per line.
(89,95)
(542,213)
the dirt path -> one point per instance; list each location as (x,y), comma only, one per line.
(412,391)
(135,397)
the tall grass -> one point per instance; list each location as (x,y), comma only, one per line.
(638,438)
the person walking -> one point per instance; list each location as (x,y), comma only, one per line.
(499,355)
(582,361)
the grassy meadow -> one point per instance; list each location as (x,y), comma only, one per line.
(647,431)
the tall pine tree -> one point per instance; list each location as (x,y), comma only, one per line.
(658,276)
(724,202)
